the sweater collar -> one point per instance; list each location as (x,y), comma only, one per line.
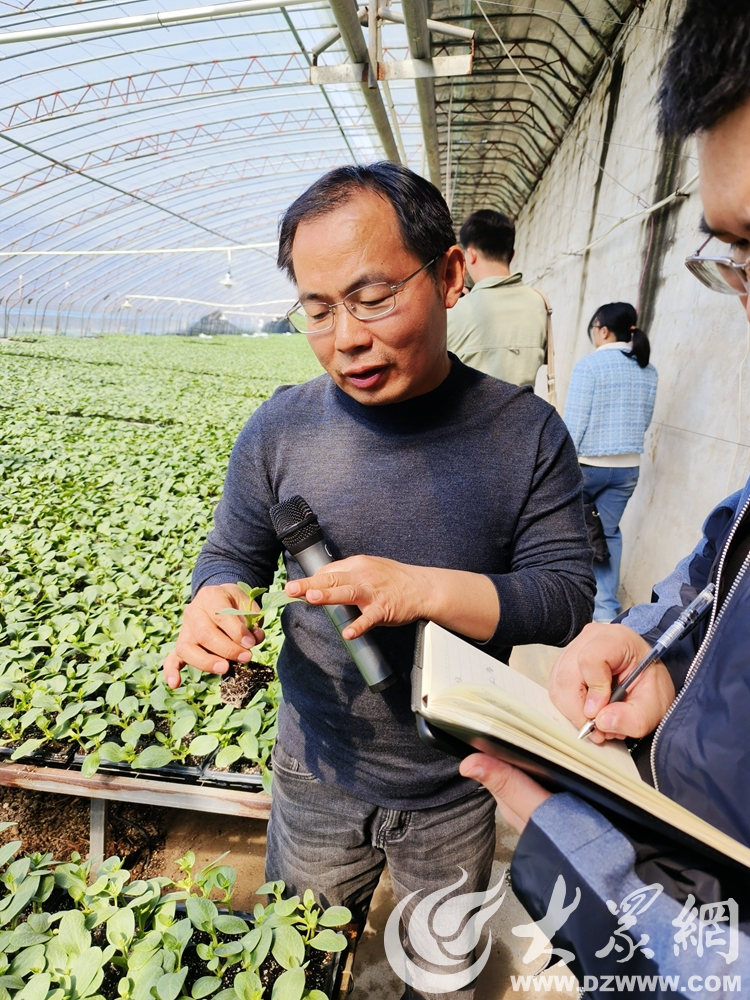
(428,408)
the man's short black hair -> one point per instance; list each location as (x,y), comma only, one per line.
(424,217)
(492,233)
(707,70)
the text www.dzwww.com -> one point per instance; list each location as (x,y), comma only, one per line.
(627,984)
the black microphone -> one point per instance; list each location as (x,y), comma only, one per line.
(298,530)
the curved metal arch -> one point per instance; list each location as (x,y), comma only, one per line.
(482,43)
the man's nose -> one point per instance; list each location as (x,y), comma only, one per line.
(350,332)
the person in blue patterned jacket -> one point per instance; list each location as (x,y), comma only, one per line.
(691,712)
(608,409)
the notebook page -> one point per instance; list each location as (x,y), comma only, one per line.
(449,660)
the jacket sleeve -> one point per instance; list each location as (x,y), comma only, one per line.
(242,545)
(578,403)
(548,595)
(614,881)
(675,592)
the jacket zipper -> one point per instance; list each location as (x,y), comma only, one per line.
(715,619)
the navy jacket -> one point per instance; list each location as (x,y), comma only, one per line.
(699,756)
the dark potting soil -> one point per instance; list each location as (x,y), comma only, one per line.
(241,683)
(60,824)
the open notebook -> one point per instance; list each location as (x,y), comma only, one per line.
(478,700)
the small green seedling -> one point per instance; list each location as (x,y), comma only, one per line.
(272,602)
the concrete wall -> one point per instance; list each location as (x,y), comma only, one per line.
(611,163)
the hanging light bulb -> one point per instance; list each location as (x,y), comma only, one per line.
(226,281)
(126,305)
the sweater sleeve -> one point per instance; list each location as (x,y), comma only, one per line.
(548,595)
(568,838)
(242,545)
(578,402)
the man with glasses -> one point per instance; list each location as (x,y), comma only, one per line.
(691,711)
(443,493)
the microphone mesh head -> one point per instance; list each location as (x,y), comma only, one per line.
(293,511)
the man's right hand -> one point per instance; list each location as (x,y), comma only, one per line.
(209,640)
(581,683)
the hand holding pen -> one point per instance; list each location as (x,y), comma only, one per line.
(687,620)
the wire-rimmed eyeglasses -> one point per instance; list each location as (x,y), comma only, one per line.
(366,303)
(720,274)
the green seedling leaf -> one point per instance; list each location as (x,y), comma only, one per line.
(169,987)
(115,693)
(278,599)
(8,850)
(228,949)
(17,901)
(24,936)
(227,756)
(153,757)
(204,987)
(308,898)
(328,940)
(203,745)
(335,916)
(26,748)
(288,947)
(286,907)
(121,929)
(7,826)
(316,995)
(37,989)
(275,888)
(73,936)
(27,961)
(289,986)
(113,753)
(202,913)
(229,924)
(248,986)
(87,973)
(182,726)
(93,726)
(252,592)
(90,764)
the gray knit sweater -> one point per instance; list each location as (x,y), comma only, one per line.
(477,475)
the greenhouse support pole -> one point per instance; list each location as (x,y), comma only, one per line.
(98,829)
(347,20)
(415,19)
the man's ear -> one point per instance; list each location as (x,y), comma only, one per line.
(471,256)
(453,276)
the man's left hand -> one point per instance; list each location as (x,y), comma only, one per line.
(393,593)
(516,794)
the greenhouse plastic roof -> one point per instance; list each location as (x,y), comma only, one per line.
(200,134)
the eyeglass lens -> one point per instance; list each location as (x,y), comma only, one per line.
(369,302)
(720,276)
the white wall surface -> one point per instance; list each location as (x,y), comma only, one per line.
(698,447)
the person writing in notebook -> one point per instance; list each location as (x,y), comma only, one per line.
(691,712)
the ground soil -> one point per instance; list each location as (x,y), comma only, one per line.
(60,824)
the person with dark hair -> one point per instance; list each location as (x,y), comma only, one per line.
(690,712)
(389,448)
(500,327)
(608,410)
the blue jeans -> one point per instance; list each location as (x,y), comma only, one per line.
(323,839)
(610,489)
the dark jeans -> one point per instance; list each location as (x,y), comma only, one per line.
(323,839)
(610,489)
